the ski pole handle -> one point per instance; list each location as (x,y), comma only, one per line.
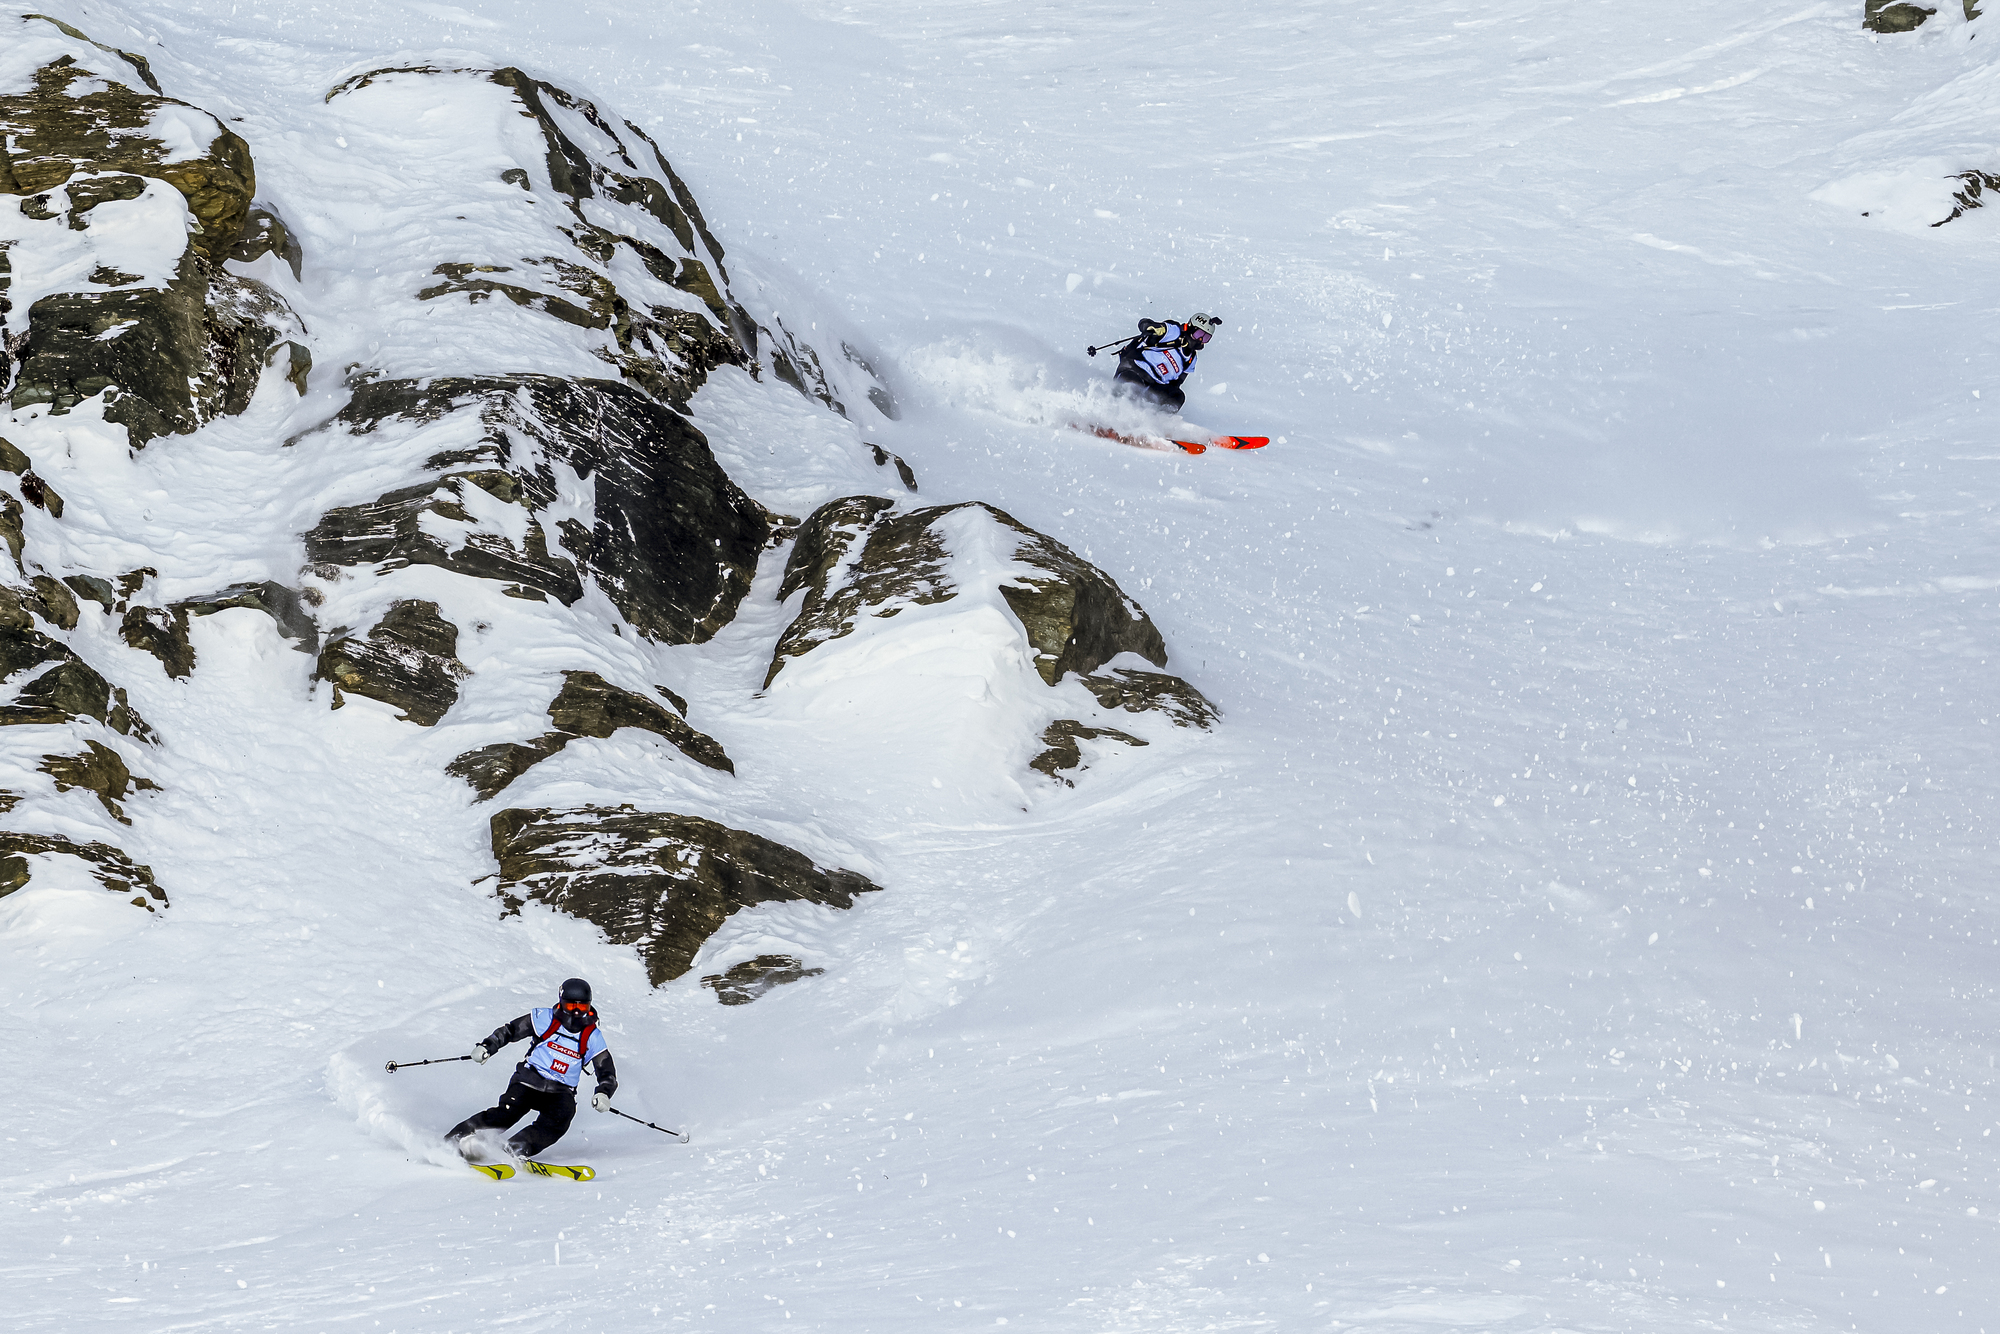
(677,1134)
(393,1066)
(1106,347)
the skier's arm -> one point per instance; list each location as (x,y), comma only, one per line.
(1153,331)
(607,1075)
(512,1031)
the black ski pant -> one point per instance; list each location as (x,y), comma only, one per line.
(525,1093)
(1131,380)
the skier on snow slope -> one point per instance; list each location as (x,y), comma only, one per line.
(565,1039)
(1152,366)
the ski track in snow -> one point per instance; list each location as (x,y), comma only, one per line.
(1578,922)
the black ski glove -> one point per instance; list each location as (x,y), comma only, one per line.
(1153,331)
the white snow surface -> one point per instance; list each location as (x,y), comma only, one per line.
(1604,646)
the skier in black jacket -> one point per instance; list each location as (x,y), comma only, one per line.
(565,1038)
(1152,366)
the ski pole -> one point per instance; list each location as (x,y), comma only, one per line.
(677,1134)
(1106,347)
(394,1066)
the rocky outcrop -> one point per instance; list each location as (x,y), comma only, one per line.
(162,632)
(62,687)
(884,459)
(408,661)
(673,542)
(101,771)
(283,605)
(857,557)
(750,979)
(1895,16)
(145,195)
(112,868)
(1970,194)
(1060,738)
(587,706)
(625,258)
(33,489)
(1152,692)
(657,881)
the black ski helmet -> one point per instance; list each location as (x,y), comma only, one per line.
(573,1008)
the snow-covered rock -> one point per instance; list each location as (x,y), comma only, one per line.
(655,880)
(117,205)
(587,705)
(858,557)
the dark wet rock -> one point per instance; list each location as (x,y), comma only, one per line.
(1061,737)
(1076,618)
(1893,16)
(587,706)
(65,687)
(33,489)
(246,322)
(298,363)
(91,588)
(162,632)
(58,603)
(675,542)
(101,771)
(783,527)
(653,879)
(131,582)
(883,458)
(280,603)
(147,344)
(409,662)
(11,530)
(1142,692)
(113,869)
(264,233)
(750,979)
(40,494)
(489,769)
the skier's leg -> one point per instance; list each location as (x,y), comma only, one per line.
(513,1105)
(557,1107)
(1131,380)
(1171,398)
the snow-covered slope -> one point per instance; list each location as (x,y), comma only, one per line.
(1575,920)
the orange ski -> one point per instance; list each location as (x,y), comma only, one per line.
(1185,446)
(1225,442)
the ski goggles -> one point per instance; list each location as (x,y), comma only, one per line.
(1199,337)
(572,1007)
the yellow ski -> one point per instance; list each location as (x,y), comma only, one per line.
(576,1173)
(498,1171)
